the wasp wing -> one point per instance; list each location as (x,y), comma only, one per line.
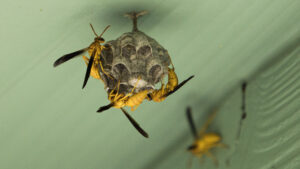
(191,122)
(67,57)
(88,70)
(135,124)
(103,108)
(178,86)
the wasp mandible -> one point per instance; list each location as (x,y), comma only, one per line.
(204,142)
(94,50)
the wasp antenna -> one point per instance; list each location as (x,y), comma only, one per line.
(93,30)
(104,30)
(134,16)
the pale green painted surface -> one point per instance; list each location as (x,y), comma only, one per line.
(47,121)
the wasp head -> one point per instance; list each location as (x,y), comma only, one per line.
(99,40)
(192,147)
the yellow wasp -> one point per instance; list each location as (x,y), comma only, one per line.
(131,100)
(94,51)
(204,142)
(172,86)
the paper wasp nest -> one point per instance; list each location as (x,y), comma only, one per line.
(134,55)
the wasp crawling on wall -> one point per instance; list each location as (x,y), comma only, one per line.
(94,51)
(204,142)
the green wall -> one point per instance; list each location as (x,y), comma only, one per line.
(47,121)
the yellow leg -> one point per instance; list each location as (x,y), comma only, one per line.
(134,107)
(104,71)
(101,48)
(201,160)
(163,88)
(129,94)
(210,155)
(111,94)
(136,83)
(86,60)
(190,162)
(221,145)
(118,88)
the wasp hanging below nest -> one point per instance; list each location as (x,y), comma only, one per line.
(129,67)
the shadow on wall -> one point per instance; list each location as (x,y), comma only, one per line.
(113,14)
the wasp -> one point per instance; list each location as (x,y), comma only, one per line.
(172,86)
(94,50)
(120,100)
(204,142)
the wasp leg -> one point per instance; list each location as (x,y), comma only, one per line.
(210,155)
(117,94)
(222,145)
(200,157)
(162,87)
(134,107)
(132,89)
(105,71)
(190,162)
(111,94)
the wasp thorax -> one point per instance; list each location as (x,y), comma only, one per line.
(135,59)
